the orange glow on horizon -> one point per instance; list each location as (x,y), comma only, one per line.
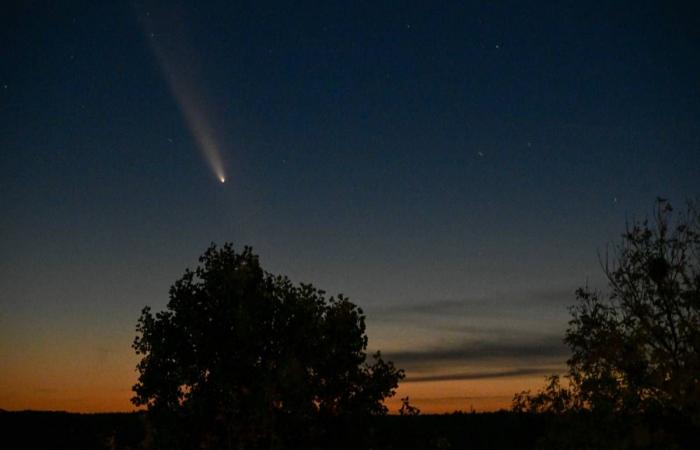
(484,395)
(115,395)
(69,375)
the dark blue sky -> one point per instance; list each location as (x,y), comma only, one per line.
(454,168)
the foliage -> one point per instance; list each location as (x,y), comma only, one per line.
(245,359)
(407,409)
(553,398)
(636,349)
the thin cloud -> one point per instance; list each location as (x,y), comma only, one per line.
(464,397)
(480,375)
(431,307)
(534,350)
(476,306)
(46,391)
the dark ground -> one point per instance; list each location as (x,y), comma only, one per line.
(27,430)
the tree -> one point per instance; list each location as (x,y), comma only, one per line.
(245,359)
(636,349)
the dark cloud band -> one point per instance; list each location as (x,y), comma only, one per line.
(532,351)
(480,375)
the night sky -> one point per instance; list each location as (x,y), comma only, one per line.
(455,168)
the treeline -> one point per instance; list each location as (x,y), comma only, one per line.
(503,430)
(29,430)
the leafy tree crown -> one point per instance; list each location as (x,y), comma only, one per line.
(637,347)
(240,353)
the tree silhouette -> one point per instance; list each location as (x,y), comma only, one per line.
(407,409)
(636,349)
(244,359)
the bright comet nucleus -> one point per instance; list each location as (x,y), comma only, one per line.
(179,64)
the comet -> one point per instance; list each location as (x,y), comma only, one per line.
(179,65)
